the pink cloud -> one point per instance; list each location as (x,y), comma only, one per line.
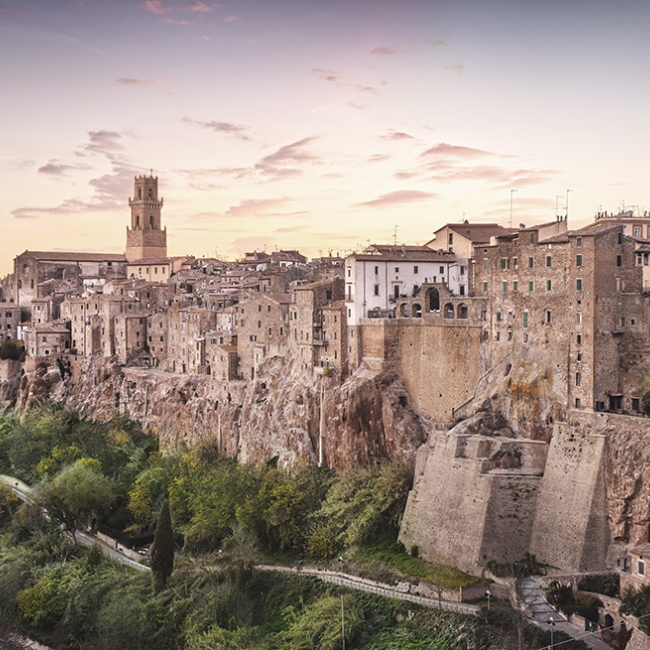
(57,169)
(227,128)
(384,51)
(199,7)
(397,135)
(275,164)
(231,19)
(132,81)
(399,197)
(444,149)
(155,7)
(327,75)
(255,207)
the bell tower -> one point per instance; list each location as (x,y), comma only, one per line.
(145,239)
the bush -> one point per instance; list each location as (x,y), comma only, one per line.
(11,350)
(607,584)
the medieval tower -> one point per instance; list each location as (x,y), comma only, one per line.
(145,239)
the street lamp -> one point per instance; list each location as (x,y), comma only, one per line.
(342,608)
(488,594)
(551,622)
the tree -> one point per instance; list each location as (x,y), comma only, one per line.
(162,549)
(76,494)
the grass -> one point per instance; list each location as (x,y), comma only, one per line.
(393,556)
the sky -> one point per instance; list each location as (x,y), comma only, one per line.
(318,126)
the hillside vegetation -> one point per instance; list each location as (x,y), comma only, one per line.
(226,517)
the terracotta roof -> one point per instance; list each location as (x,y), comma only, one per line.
(58,256)
(478,233)
(150,261)
(562,238)
(396,255)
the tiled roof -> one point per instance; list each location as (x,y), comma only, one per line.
(478,233)
(58,256)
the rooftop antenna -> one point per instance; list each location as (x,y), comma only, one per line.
(511,193)
(566,206)
(557,197)
(395,237)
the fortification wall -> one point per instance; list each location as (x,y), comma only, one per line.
(570,531)
(439,365)
(464,511)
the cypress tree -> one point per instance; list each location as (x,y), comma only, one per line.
(162,549)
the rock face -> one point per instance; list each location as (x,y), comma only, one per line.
(282,413)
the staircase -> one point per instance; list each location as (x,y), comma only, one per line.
(530,591)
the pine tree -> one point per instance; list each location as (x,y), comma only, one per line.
(162,549)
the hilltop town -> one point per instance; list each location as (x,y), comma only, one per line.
(510,364)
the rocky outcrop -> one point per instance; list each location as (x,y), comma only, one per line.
(282,413)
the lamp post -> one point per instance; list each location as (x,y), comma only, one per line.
(342,607)
(551,622)
(488,594)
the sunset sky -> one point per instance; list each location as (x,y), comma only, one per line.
(316,125)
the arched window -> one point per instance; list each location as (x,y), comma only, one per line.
(416,311)
(150,193)
(449,310)
(151,221)
(404,310)
(461,311)
(139,192)
(434,300)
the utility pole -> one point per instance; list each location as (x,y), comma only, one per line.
(342,608)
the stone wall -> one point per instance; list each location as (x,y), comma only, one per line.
(571,531)
(469,504)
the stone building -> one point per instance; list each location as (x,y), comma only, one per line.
(130,335)
(262,330)
(574,300)
(306,318)
(9,321)
(49,339)
(34,270)
(382,275)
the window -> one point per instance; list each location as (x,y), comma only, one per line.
(462,270)
(578,242)
(579,318)
(619,260)
(442,270)
(635,404)
(376,270)
(531,286)
(578,379)
(578,284)
(641,567)
(349,271)
(549,261)
(639,259)
(505,288)
(637,231)
(620,238)
(515,285)
(376,290)
(579,339)
(485,264)
(461,289)
(397,269)
(622,321)
(549,285)
(525,319)
(450,238)
(498,317)
(578,260)
(531,238)
(547,316)
(509,335)
(505,263)
(577,402)
(485,287)
(579,356)
(415,269)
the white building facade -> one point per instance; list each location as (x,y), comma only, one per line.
(380,276)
